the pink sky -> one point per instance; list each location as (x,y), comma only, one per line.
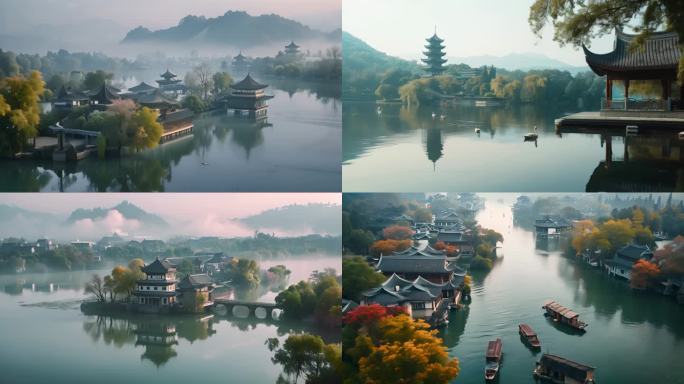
(182,206)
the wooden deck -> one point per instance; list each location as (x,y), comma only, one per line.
(621,119)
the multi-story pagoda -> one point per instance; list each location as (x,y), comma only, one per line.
(158,288)
(247,98)
(169,82)
(292,49)
(434,55)
(240,63)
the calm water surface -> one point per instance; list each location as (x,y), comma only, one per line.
(297,149)
(44,337)
(405,149)
(631,338)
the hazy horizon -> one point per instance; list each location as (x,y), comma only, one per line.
(191,214)
(39,26)
(469,28)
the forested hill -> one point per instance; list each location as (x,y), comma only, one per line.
(358,55)
(233,28)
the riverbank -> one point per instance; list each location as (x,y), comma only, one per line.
(631,337)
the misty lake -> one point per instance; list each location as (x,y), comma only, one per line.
(40,321)
(296,149)
(407,150)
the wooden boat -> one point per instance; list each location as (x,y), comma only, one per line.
(563,315)
(493,359)
(560,370)
(529,336)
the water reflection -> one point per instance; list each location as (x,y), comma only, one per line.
(157,335)
(296,148)
(484,149)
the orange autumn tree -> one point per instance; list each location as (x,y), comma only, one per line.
(450,250)
(644,273)
(386,247)
(391,347)
(397,232)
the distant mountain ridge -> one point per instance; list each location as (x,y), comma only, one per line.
(9,213)
(127,210)
(360,55)
(234,28)
(320,218)
(517,61)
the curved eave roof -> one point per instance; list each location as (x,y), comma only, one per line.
(434,38)
(660,52)
(248,84)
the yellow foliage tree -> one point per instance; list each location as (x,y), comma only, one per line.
(409,353)
(144,130)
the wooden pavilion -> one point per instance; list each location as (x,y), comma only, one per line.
(657,59)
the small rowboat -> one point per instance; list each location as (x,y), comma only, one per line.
(493,359)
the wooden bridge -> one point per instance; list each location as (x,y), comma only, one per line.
(254,309)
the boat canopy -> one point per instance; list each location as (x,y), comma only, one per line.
(563,311)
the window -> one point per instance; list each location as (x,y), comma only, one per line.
(155,288)
(164,300)
(420,305)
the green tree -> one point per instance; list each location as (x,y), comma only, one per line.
(185,268)
(19,111)
(307,356)
(194,103)
(357,277)
(222,82)
(95,80)
(578,22)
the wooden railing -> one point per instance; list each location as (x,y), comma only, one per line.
(636,105)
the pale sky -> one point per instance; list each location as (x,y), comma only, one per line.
(470,28)
(182,206)
(156,14)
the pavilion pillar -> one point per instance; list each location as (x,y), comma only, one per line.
(609,89)
(626,89)
(626,154)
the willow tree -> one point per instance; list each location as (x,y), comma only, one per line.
(578,21)
(19,111)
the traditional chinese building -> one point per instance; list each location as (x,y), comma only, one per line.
(657,60)
(105,96)
(434,55)
(240,63)
(292,49)
(158,288)
(68,98)
(170,83)
(194,292)
(621,264)
(142,88)
(412,263)
(247,98)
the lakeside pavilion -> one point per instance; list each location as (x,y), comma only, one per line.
(240,63)
(247,98)
(657,60)
(292,49)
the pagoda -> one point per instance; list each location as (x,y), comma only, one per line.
(158,288)
(247,98)
(292,49)
(169,82)
(240,63)
(434,55)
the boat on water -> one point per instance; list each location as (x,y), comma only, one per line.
(559,370)
(493,359)
(529,336)
(563,315)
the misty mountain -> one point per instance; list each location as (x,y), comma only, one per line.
(517,61)
(128,211)
(10,213)
(234,28)
(318,218)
